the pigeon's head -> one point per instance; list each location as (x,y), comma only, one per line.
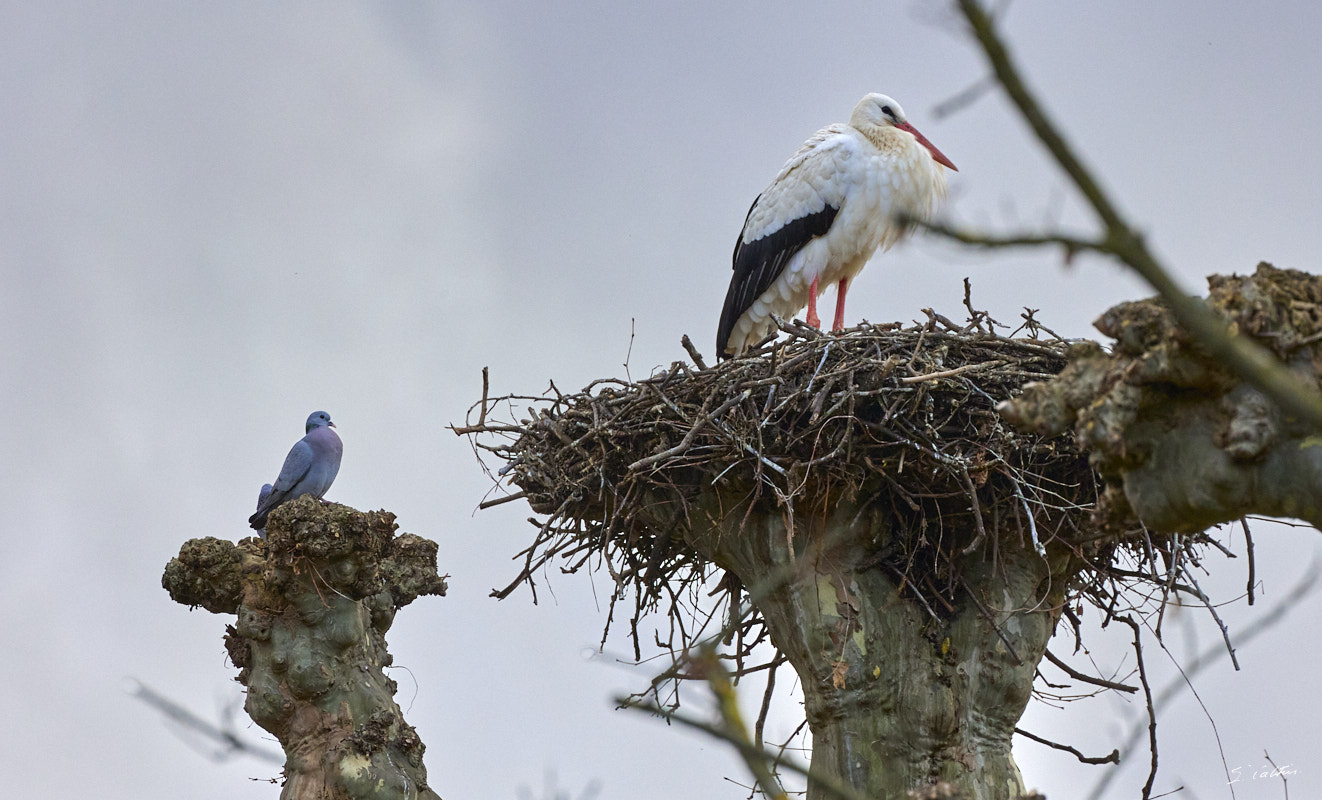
(318,419)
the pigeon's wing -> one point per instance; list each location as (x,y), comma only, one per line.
(297,464)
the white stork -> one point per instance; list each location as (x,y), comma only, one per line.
(831,207)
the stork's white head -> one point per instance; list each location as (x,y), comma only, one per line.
(879,111)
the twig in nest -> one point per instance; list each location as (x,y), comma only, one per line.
(976,317)
(628,355)
(693,351)
(950,373)
(977,515)
(485,504)
(687,441)
(795,328)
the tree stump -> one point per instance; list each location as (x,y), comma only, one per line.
(313,602)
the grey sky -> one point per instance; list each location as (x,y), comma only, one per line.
(219,217)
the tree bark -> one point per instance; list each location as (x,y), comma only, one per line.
(1182,441)
(898,697)
(313,603)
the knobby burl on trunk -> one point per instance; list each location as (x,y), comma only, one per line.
(1182,442)
(313,602)
(906,551)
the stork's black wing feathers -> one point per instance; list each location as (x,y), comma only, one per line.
(758,263)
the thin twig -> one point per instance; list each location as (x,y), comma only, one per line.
(1079,676)
(1113,758)
(1285,785)
(992,622)
(950,373)
(1225,632)
(1248,544)
(628,355)
(1147,697)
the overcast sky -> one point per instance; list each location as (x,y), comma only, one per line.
(219,217)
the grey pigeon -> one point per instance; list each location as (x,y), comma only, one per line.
(310,468)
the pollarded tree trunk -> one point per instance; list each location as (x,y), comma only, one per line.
(897,696)
(908,553)
(313,603)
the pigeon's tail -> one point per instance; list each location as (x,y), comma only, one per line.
(258,520)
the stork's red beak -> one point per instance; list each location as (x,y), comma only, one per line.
(937,155)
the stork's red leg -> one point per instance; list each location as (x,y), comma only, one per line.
(840,305)
(812,318)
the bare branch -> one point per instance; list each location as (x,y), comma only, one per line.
(1079,676)
(229,742)
(1071,244)
(1112,758)
(1248,359)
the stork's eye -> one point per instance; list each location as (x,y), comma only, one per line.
(888,112)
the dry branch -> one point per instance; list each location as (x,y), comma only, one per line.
(1247,358)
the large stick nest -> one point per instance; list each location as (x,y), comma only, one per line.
(905,414)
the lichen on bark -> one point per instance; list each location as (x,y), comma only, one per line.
(1182,442)
(313,602)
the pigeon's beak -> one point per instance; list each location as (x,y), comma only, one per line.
(937,155)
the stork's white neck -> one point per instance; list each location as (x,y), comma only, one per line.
(886,138)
